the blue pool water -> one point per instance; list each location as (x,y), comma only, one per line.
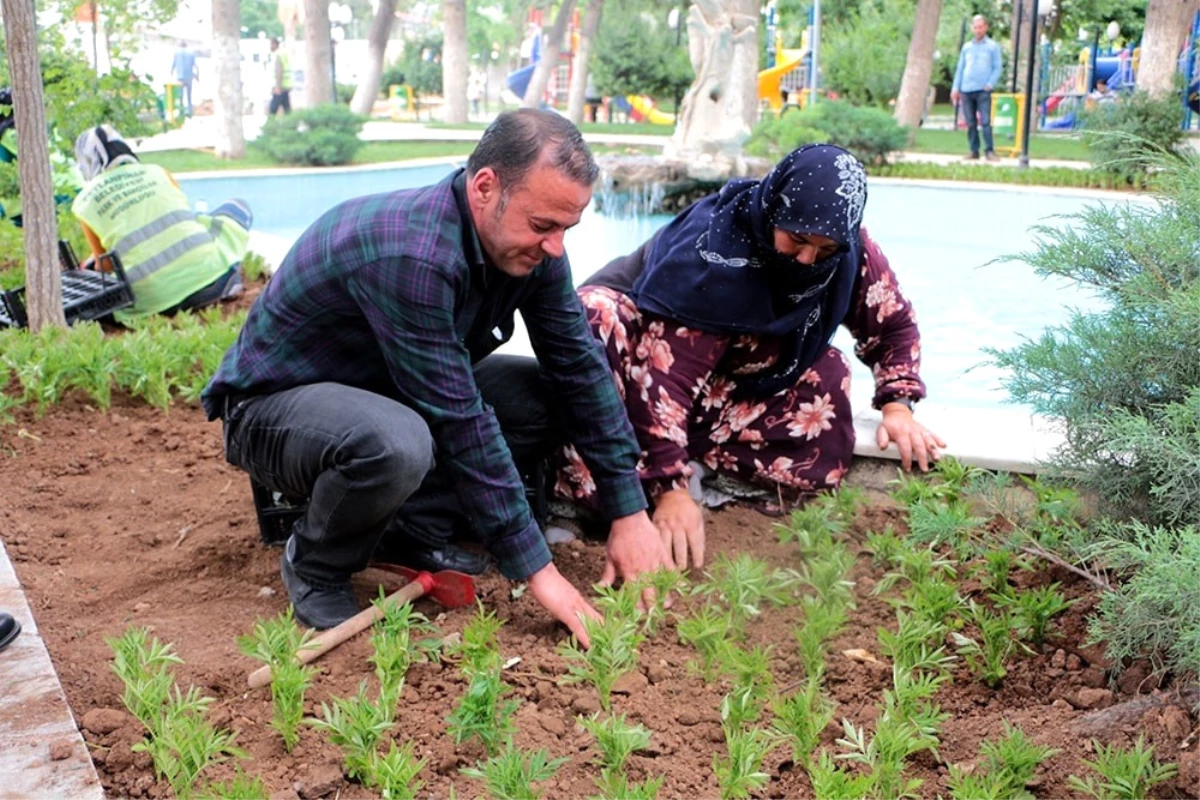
(942,242)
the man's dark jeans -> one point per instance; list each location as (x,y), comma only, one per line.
(978,102)
(367,463)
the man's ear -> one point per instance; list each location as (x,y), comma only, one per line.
(485,185)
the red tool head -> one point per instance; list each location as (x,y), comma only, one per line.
(448,588)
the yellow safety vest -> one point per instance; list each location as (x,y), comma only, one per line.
(285,66)
(168,251)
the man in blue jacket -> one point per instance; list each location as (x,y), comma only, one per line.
(979,66)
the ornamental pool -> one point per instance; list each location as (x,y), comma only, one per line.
(942,242)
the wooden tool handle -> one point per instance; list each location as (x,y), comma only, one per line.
(327,640)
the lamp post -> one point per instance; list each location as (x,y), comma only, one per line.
(815,44)
(1035,19)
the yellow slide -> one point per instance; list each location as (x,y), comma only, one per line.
(645,106)
(769,80)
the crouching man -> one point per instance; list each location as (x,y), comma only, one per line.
(362,378)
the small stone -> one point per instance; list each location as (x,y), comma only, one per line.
(1074,662)
(119,759)
(448,765)
(657,674)
(138,608)
(1061,705)
(1093,677)
(320,780)
(104,720)
(716,734)
(1059,659)
(552,725)
(1135,680)
(1176,721)
(585,703)
(61,750)
(1093,698)
(266,591)
(543,690)
(631,683)
(689,717)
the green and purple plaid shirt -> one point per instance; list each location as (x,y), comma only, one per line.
(392,293)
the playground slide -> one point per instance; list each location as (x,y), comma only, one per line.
(1052,102)
(769,80)
(644,106)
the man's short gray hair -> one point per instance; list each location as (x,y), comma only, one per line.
(515,141)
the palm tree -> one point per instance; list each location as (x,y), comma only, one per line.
(454,61)
(43,292)
(579,73)
(226,22)
(318,71)
(541,75)
(377,39)
(910,104)
(1167,24)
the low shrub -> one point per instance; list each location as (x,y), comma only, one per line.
(1116,133)
(321,136)
(870,133)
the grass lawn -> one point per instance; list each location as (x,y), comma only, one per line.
(372,153)
(640,128)
(1041,145)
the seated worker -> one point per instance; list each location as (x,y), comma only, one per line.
(718,330)
(174,258)
(363,379)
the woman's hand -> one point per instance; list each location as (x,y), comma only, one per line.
(910,437)
(680,523)
(563,600)
(634,549)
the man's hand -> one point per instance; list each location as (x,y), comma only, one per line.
(910,437)
(680,523)
(987,87)
(955,95)
(560,598)
(634,548)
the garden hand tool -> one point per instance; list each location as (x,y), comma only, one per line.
(450,589)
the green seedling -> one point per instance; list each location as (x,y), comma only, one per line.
(934,601)
(831,782)
(1014,758)
(617,786)
(666,584)
(394,774)
(144,665)
(827,576)
(240,787)
(479,649)
(709,632)
(997,563)
(1036,607)
(511,773)
(1055,504)
(908,703)
(884,755)
(1124,774)
(617,739)
(822,623)
(950,524)
(885,548)
(981,786)
(275,642)
(613,653)
(812,528)
(394,644)
(185,743)
(918,565)
(801,717)
(752,685)
(957,476)
(990,654)
(744,583)
(483,713)
(356,725)
(916,644)
(915,489)
(622,601)
(739,772)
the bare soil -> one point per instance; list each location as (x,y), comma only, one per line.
(132,517)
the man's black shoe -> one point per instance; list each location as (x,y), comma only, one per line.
(411,553)
(318,606)
(9,628)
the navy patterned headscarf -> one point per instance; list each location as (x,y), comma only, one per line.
(715,267)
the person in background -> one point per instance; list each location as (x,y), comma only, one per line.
(1102,95)
(718,333)
(365,381)
(979,66)
(184,70)
(173,258)
(281,81)
(9,628)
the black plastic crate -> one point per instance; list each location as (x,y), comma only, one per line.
(86,294)
(276,513)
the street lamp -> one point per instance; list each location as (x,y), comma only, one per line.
(1038,14)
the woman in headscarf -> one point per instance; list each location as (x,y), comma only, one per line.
(718,332)
(174,258)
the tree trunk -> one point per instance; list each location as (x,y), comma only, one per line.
(454,62)
(579,73)
(318,78)
(226,22)
(377,39)
(43,290)
(1167,23)
(541,75)
(910,105)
